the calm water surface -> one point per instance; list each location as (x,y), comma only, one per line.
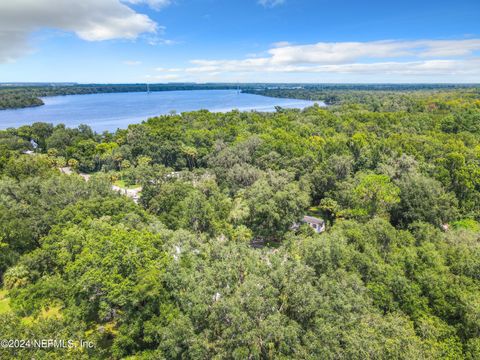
(118,110)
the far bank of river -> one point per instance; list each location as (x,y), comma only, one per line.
(117,110)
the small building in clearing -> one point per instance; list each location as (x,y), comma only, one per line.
(316,223)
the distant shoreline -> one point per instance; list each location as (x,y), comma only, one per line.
(109,111)
(25,95)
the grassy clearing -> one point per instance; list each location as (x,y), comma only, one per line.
(123,185)
(47,313)
(52,312)
(314,211)
(4,302)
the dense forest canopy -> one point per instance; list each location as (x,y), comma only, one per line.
(395,174)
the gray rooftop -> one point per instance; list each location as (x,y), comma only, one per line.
(313,220)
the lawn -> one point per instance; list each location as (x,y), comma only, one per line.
(314,211)
(123,185)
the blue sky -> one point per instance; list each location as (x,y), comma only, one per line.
(240,40)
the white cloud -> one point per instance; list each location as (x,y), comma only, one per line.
(132,62)
(160,69)
(91,20)
(432,60)
(344,52)
(157,40)
(428,67)
(13,45)
(169,77)
(281,44)
(271,3)
(154,4)
(164,77)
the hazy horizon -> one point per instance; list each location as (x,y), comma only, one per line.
(68,83)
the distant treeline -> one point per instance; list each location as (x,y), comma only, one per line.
(21,96)
(14,96)
(375,97)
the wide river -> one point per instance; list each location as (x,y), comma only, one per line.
(118,110)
